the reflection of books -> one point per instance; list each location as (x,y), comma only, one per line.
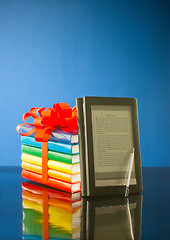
(53,193)
(58,216)
(70,206)
(63,215)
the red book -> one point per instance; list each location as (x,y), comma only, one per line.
(64,186)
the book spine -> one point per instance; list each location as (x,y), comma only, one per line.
(32,176)
(62,167)
(80,121)
(31,167)
(59,184)
(31,142)
(60,157)
(61,176)
(60,137)
(60,147)
(31,150)
(31,159)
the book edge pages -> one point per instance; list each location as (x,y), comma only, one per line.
(80,121)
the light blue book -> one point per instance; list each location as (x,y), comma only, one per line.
(53,146)
(57,135)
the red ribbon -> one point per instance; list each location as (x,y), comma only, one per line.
(61,116)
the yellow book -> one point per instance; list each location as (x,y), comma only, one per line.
(31,167)
(64,167)
(31,159)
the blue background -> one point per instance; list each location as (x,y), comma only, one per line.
(54,51)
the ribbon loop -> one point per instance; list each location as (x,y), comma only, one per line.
(45,120)
(37,121)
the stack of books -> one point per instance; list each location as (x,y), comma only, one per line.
(63,160)
(63,213)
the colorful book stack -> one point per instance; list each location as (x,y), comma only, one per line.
(63,159)
(58,218)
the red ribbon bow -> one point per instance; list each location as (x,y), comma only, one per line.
(61,116)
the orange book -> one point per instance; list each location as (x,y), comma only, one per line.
(31,167)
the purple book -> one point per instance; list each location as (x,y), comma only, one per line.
(57,135)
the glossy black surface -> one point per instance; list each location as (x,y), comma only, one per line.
(155,208)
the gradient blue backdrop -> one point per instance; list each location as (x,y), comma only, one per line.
(54,51)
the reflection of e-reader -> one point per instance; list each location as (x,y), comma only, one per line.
(117,218)
(109,146)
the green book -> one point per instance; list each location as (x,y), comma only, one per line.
(56,156)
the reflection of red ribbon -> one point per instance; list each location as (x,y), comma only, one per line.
(45,214)
(61,116)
